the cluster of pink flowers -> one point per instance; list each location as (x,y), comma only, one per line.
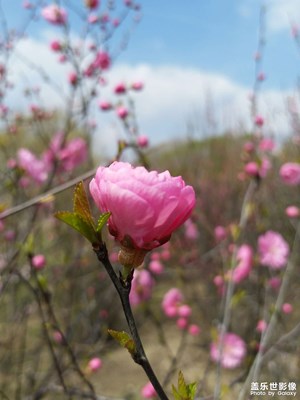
(233,351)
(68,155)
(174,306)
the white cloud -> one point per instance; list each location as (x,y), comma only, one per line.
(281,14)
(173,98)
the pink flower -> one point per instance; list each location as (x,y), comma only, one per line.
(55,45)
(105,105)
(261,326)
(142,141)
(120,88)
(182,323)
(38,261)
(95,364)
(273,250)
(148,391)
(102,60)
(171,301)
(57,337)
(156,267)
(34,167)
(146,206)
(73,78)
(266,144)
(184,311)
(274,282)
(194,330)
(245,260)
(233,353)
(122,112)
(259,121)
(220,233)
(141,289)
(137,86)
(290,173)
(287,308)
(191,230)
(292,211)
(54,14)
(73,154)
(249,147)
(92,4)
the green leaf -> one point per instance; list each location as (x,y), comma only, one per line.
(102,221)
(81,204)
(124,340)
(79,224)
(184,391)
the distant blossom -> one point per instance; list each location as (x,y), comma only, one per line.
(273,250)
(54,14)
(233,351)
(290,173)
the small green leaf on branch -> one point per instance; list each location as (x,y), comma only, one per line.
(102,221)
(79,224)
(81,204)
(184,391)
(124,339)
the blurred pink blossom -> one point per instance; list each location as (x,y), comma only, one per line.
(194,330)
(220,233)
(146,206)
(122,112)
(120,88)
(137,85)
(274,282)
(148,391)
(234,351)
(55,45)
(259,120)
(171,301)
(261,326)
(54,14)
(105,105)
(266,144)
(292,211)
(38,261)
(290,173)
(156,267)
(142,141)
(287,308)
(191,230)
(91,3)
(95,364)
(34,167)
(244,266)
(73,154)
(273,250)
(73,78)
(182,323)
(141,288)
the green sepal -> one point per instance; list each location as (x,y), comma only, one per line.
(184,391)
(124,339)
(81,204)
(79,224)
(102,221)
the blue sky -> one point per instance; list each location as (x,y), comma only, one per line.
(188,51)
(219,36)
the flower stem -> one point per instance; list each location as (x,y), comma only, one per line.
(123,287)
